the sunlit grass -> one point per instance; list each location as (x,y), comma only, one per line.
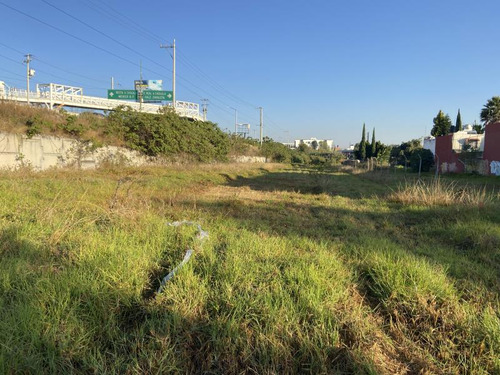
(440,192)
(349,279)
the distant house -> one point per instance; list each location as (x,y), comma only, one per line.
(466,150)
(348,152)
(309,142)
(430,144)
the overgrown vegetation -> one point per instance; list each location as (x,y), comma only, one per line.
(321,272)
(165,134)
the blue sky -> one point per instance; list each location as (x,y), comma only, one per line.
(318,68)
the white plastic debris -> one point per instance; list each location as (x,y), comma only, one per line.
(495,168)
(201,236)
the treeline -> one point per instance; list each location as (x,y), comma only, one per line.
(374,149)
(490,113)
(304,154)
(409,153)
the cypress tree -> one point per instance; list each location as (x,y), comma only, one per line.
(458,123)
(362,145)
(374,145)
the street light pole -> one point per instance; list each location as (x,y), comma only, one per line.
(29,74)
(235,120)
(173,70)
(261,123)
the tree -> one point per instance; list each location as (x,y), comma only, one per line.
(442,124)
(314,144)
(383,152)
(458,123)
(491,111)
(403,152)
(478,127)
(323,146)
(427,159)
(304,148)
(361,150)
(374,145)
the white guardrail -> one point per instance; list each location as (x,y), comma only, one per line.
(52,98)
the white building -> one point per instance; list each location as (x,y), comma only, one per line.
(309,142)
(430,144)
(467,138)
(460,141)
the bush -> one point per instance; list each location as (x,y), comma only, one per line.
(318,160)
(276,151)
(300,158)
(427,160)
(168,134)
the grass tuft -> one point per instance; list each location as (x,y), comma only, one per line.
(440,193)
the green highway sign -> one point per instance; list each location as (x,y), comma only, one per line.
(122,94)
(156,95)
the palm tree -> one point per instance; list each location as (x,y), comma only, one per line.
(491,111)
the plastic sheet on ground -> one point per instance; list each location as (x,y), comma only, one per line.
(201,236)
(495,168)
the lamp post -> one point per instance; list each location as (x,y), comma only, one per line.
(235,120)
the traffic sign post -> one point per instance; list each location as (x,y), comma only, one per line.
(122,94)
(156,95)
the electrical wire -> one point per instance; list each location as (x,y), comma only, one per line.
(128,21)
(105,35)
(194,67)
(183,59)
(69,34)
(54,66)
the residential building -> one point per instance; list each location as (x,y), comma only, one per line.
(309,142)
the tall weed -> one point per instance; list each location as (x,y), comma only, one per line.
(439,193)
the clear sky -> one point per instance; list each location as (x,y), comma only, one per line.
(318,68)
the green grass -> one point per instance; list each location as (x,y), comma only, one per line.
(303,272)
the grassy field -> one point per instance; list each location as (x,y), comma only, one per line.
(303,272)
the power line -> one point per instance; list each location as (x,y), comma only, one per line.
(139,29)
(69,34)
(54,66)
(183,59)
(213,83)
(104,34)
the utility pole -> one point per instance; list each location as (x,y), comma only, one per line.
(29,73)
(204,110)
(261,123)
(112,83)
(235,121)
(173,70)
(140,86)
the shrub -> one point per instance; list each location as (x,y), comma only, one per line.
(276,151)
(167,134)
(427,160)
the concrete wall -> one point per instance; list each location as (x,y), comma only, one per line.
(43,152)
(492,147)
(249,159)
(446,158)
(430,144)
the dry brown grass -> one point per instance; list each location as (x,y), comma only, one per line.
(13,116)
(439,193)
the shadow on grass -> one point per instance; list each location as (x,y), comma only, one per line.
(102,328)
(413,230)
(312,182)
